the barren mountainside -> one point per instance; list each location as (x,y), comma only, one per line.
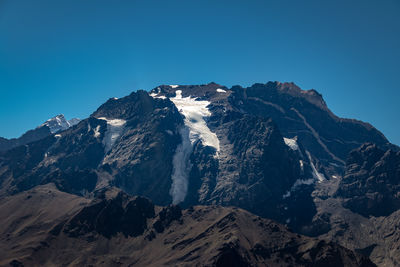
(117,230)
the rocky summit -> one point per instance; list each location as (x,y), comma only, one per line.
(238,176)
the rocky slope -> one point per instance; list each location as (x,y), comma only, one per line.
(118,230)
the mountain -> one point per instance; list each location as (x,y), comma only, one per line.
(59,123)
(53,125)
(115,229)
(272,149)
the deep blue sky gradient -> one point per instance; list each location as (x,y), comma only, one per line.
(71,56)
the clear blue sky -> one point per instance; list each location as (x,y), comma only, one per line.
(70,56)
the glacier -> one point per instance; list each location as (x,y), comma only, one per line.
(195,129)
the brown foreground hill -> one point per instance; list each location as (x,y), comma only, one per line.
(46,227)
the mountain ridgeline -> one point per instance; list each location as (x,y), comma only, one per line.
(272,149)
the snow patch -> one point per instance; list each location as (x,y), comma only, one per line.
(195,112)
(319,176)
(219,90)
(114,130)
(97,131)
(298,183)
(301,165)
(292,143)
(303,182)
(154,95)
(181,167)
(57,136)
(174,86)
(316,176)
(73,121)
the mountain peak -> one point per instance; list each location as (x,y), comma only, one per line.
(312,95)
(59,123)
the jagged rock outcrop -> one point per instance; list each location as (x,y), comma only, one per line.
(371,184)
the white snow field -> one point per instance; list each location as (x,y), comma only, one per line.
(195,112)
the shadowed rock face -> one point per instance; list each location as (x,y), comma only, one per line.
(254,168)
(118,229)
(67,159)
(371,184)
(166,216)
(146,146)
(28,137)
(305,114)
(77,162)
(120,214)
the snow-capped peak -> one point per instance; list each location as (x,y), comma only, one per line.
(59,123)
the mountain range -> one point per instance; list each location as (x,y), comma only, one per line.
(51,126)
(242,176)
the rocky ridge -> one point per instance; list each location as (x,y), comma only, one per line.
(156,236)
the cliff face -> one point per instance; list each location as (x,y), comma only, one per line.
(371,183)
